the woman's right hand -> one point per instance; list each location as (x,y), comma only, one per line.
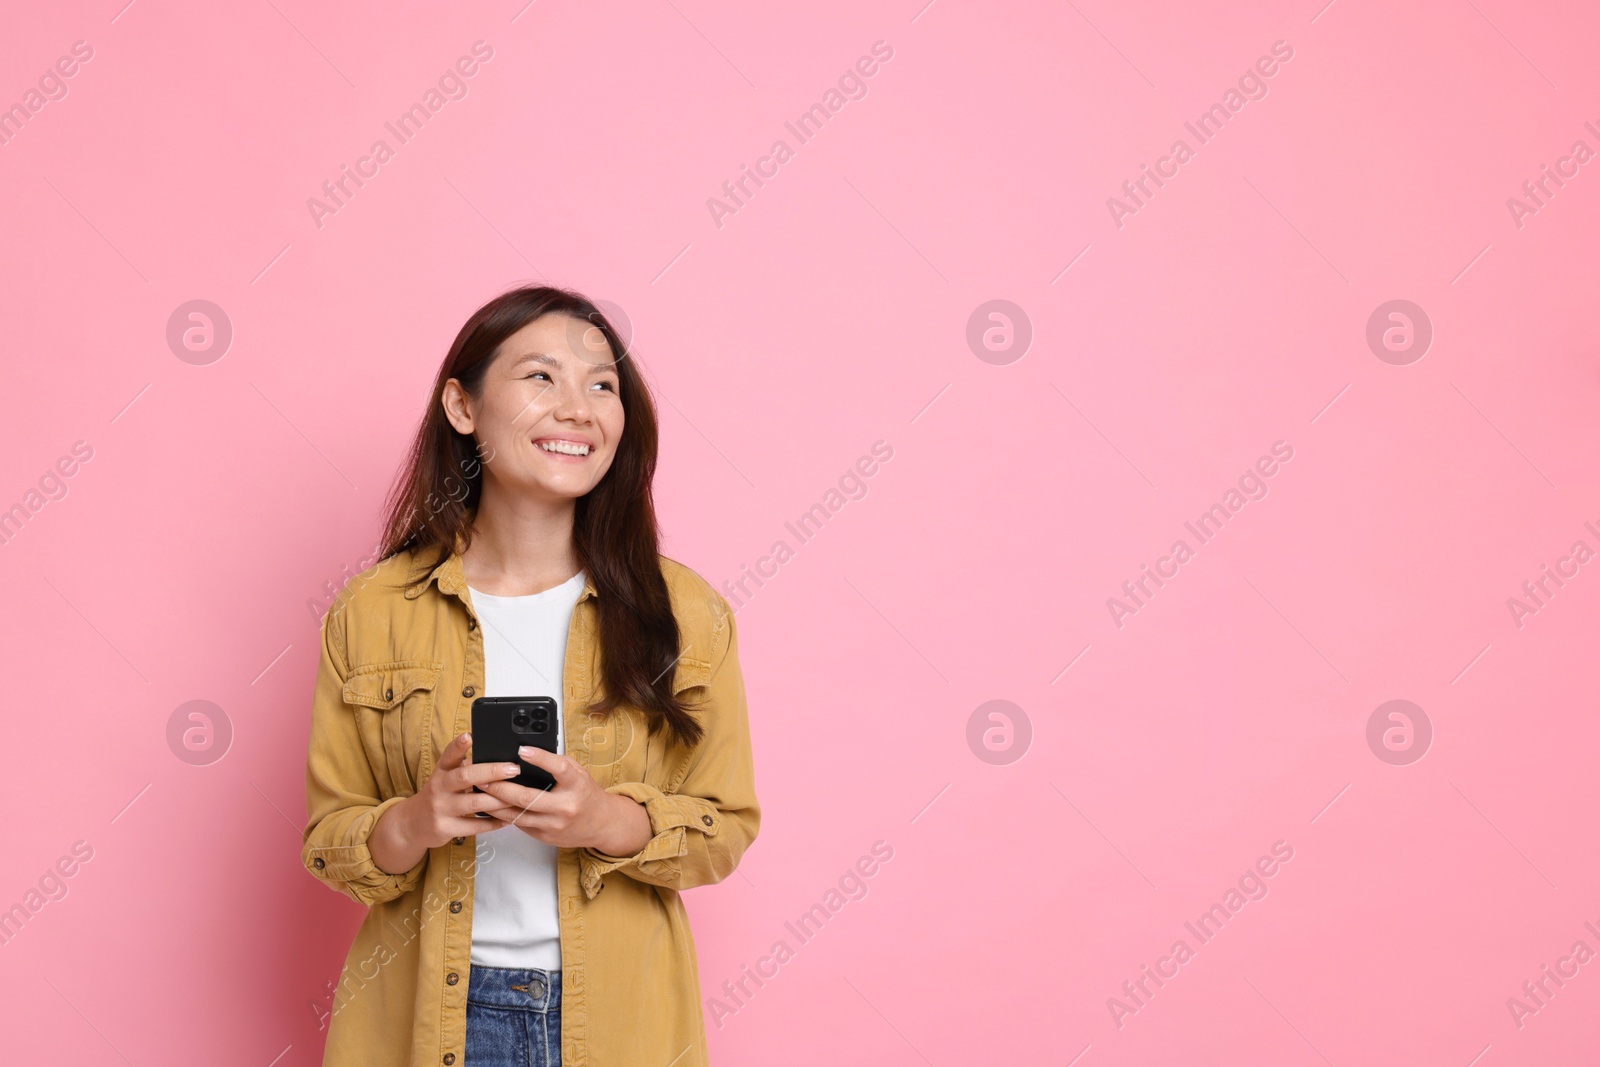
(438,812)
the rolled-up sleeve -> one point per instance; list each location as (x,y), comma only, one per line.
(342,804)
(700,829)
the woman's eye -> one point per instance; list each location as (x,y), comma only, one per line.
(538,374)
(607,385)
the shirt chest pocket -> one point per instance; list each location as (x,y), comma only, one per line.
(393,707)
(619,748)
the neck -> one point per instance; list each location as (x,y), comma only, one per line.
(521,544)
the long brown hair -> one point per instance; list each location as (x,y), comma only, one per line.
(615,535)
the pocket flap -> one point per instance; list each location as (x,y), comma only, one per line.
(384,686)
(689,673)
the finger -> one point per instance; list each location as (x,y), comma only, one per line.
(510,817)
(454,752)
(464,804)
(538,833)
(499,813)
(528,820)
(559,766)
(517,813)
(462,779)
(512,795)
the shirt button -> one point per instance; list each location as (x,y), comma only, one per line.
(449,1058)
(452,978)
(388,694)
(706,819)
(472,624)
(458,840)
(468,691)
(455,907)
(319,863)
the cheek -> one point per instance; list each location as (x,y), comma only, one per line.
(518,411)
(613,423)
(613,437)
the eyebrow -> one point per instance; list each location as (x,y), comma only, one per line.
(549,360)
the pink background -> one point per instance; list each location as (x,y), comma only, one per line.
(828,313)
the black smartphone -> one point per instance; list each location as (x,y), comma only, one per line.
(501,725)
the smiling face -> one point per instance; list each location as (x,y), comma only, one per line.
(549,416)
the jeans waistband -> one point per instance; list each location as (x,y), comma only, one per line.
(530,988)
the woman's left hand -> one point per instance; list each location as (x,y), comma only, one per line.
(573,813)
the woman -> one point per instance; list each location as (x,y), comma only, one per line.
(509,925)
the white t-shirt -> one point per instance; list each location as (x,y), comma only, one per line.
(514,918)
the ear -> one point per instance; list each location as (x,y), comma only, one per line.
(457,407)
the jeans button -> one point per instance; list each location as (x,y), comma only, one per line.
(536,988)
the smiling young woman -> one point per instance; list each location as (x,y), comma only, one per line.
(488,939)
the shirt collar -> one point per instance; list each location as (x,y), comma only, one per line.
(449,576)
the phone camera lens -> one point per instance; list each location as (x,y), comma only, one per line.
(520,720)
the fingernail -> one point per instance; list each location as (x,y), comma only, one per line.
(466,738)
(511,770)
(525,750)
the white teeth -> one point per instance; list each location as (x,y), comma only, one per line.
(569,448)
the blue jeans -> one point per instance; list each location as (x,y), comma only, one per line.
(513,1017)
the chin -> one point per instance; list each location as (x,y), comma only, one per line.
(562,490)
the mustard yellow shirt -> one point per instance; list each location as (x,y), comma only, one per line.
(399,670)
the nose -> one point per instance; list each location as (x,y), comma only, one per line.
(572,404)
